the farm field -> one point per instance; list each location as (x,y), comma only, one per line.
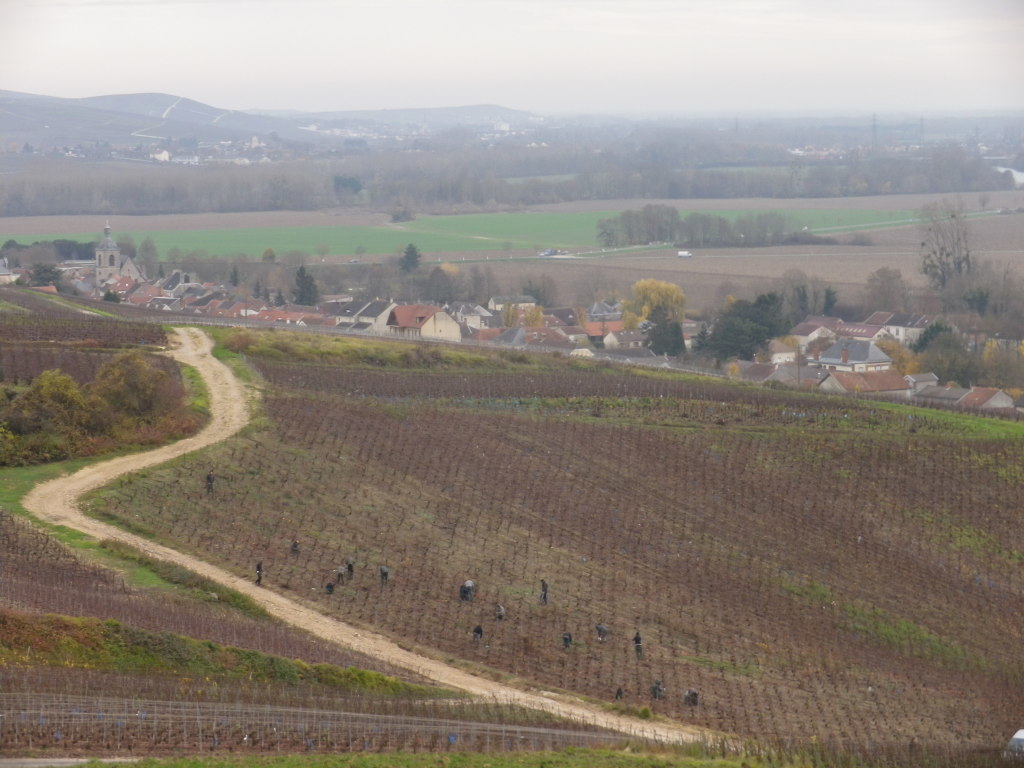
(339,233)
(818,569)
(506,244)
(503,232)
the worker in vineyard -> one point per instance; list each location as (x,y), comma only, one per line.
(295,546)
(350,568)
(329,588)
(499,613)
(385,574)
(467,591)
(657,690)
(602,632)
(567,640)
(478,634)
(638,645)
(619,693)
(209,481)
(259,573)
(543,592)
(691,698)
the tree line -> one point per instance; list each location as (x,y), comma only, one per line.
(453,179)
(662,224)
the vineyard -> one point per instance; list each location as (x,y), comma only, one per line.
(28,317)
(63,697)
(817,569)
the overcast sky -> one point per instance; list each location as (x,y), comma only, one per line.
(549,56)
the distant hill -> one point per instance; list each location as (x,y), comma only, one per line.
(155,118)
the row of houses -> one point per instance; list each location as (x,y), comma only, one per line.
(923,388)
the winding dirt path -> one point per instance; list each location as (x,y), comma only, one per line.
(56,502)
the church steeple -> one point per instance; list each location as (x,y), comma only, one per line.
(108,257)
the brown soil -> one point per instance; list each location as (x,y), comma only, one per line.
(56,502)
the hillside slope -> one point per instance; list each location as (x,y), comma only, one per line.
(816,568)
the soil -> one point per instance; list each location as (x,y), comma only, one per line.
(55,502)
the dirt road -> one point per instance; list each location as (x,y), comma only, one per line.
(55,502)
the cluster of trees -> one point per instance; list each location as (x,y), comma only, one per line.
(130,401)
(452,178)
(662,224)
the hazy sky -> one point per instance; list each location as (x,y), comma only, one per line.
(547,56)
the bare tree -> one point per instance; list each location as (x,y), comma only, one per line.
(945,251)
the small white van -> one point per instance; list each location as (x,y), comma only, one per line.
(1015,748)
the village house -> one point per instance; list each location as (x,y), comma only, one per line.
(854,355)
(812,330)
(975,398)
(902,326)
(780,352)
(366,316)
(423,321)
(919,381)
(888,383)
(861,332)
(604,311)
(521,302)
(471,315)
(625,340)
(597,329)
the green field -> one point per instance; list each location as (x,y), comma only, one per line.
(436,235)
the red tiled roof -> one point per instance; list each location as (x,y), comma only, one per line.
(978,396)
(413,315)
(871,381)
(603,327)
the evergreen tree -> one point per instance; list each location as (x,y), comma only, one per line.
(665,336)
(410,259)
(306,291)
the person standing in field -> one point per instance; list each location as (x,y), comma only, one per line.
(385,574)
(209,481)
(259,573)
(638,645)
(543,592)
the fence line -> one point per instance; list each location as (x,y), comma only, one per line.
(68,722)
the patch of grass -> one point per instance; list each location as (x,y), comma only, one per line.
(905,636)
(92,643)
(808,590)
(198,394)
(718,665)
(153,572)
(964,537)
